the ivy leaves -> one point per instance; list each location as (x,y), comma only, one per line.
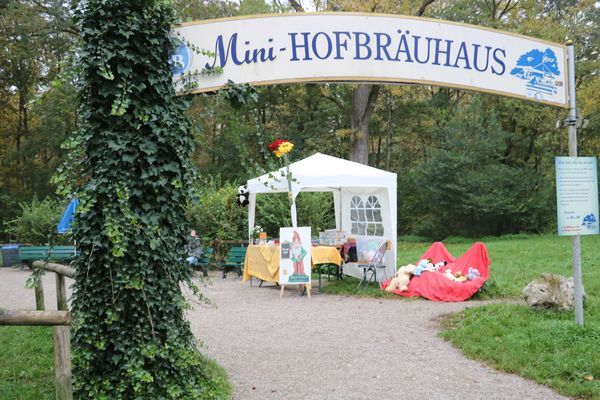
(131,168)
(240,95)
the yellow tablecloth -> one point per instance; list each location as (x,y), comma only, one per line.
(325,255)
(262,262)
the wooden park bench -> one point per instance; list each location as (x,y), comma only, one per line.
(234,262)
(29,254)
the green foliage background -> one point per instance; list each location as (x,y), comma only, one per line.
(36,223)
(467,163)
(215,213)
(466,185)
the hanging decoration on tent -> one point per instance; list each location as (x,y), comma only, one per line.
(243,195)
(281,148)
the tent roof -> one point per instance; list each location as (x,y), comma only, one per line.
(323,171)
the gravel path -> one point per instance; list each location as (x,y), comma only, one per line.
(327,347)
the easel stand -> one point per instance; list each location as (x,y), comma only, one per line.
(306,287)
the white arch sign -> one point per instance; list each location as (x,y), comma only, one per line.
(341,47)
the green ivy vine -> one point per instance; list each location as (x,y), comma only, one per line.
(130,166)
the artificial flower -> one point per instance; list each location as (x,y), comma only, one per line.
(281,147)
(284,148)
(273,146)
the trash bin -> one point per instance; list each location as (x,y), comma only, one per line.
(10,255)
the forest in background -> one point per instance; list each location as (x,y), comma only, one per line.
(468,164)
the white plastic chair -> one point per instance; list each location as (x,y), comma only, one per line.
(375,264)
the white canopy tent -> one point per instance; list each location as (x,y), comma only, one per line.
(364,198)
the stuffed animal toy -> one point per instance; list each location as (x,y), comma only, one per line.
(401,279)
(437,266)
(428,265)
(473,273)
(457,277)
(422,266)
(243,195)
(448,274)
(460,277)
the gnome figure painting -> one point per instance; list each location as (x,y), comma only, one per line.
(294,265)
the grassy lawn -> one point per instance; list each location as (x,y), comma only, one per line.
(547,347)
(26,363)
(348,285)
(27,366)
(516,261)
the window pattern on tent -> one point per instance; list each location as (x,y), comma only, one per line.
(365,214)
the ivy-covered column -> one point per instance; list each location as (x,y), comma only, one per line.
(130,337)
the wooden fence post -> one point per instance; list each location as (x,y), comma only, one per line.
(61,292)
(60,319)
(34,318)
(65,270)
(62,346)
(62,362)
(39,296)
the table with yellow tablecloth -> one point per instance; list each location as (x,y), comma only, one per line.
(262,262)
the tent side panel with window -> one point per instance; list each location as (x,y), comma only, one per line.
(364,198)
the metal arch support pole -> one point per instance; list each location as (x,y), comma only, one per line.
(576,240)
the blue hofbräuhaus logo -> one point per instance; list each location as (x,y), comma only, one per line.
(539,69)
(180,60)
(589,221)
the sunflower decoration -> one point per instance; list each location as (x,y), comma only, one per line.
(280,147)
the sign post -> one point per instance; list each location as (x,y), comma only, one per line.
(572,121)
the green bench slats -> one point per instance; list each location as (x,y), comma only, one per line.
(235,261)
(206,256)
(205,259)
(29,254)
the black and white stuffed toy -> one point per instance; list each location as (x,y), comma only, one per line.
(243,195)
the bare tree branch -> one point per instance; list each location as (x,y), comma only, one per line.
(59,16)
(510,5)
(296,5)
(335,101)
(279,5)
(425,4)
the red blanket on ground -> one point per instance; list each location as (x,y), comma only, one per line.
(435,286)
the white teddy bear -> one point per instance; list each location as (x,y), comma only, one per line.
(401,279)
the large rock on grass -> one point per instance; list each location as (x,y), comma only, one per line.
(550,291)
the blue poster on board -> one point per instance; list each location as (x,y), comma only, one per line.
(577,196)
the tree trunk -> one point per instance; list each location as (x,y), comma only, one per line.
(62,362)
(380,139)
(39,296)
(388,142)
(363,103)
